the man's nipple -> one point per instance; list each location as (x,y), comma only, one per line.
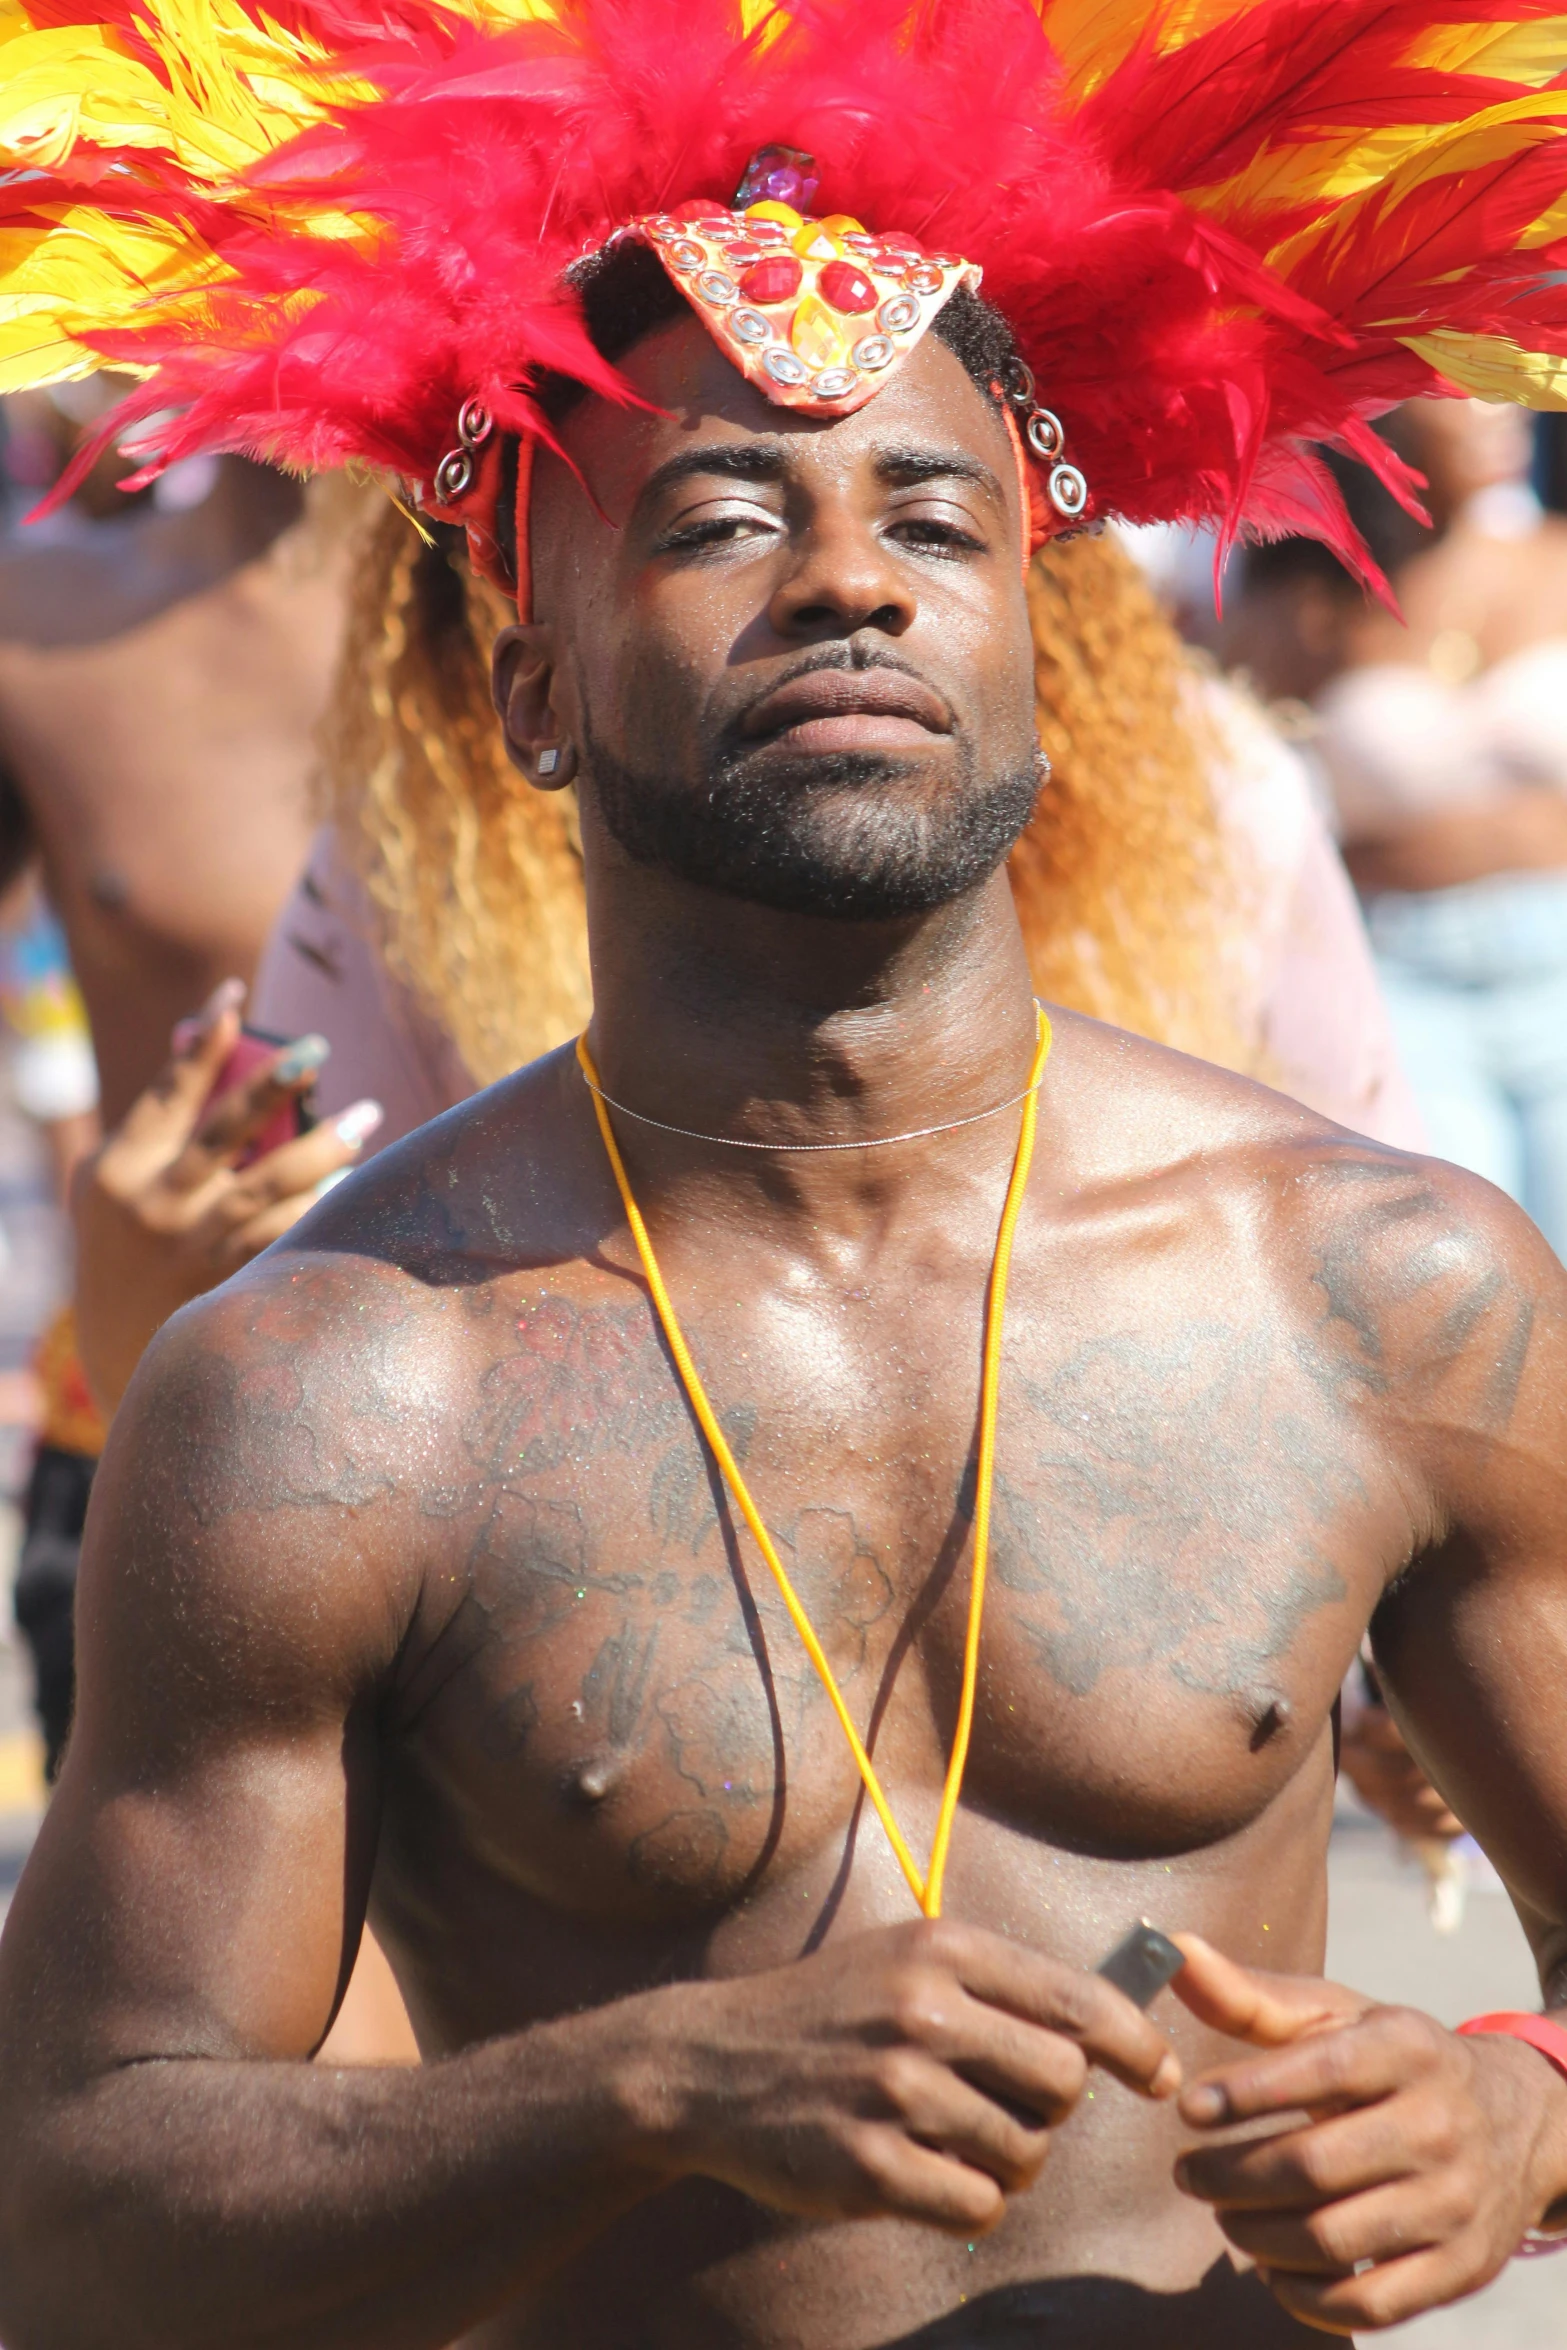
(1270,1713)
(589,1782)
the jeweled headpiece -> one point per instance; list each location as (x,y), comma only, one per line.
(1221,230)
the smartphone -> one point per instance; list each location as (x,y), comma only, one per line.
(1142,1963)
(292,1117)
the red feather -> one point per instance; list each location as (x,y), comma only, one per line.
(1190,375)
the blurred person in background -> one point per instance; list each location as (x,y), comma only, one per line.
(211,605)
(53,1071)
(164,847)
(54,1083)
(1444,745)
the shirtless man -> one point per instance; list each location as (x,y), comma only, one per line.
(410,1585)
(162,665)
(167,844)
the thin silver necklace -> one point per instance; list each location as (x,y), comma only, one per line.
(876,1142)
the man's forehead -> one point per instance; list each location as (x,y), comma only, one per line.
(694,395)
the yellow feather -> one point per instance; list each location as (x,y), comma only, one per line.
(1448,148)
(1533,53)
(70,82)
(1493,368)
(1316,171)
(494,16)
(86,272)
(1092,37)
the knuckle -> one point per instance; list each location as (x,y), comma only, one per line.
(899,2077)
(869,2151)
(1453,2203)
(1065,2071)
(937,1943)
(1026,2155)
(1370,2303)
(917,2004)
(1076,2002)
(1338,2057)
(1313,2162)
(1329,2236)
(873,2181)
(1415,2038)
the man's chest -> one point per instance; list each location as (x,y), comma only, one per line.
(1186,1542)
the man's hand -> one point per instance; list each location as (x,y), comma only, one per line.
(913,2073)
(164,1212)
(1424,2159)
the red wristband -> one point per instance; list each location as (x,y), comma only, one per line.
(1537,2031)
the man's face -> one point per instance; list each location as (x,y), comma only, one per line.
(800,672)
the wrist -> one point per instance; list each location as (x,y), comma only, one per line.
(1536,2054)
(656,2077)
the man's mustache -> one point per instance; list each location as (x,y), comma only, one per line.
(847,659)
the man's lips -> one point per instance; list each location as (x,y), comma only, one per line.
(848,709)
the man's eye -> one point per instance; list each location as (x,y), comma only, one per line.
(718,530)
(940,533)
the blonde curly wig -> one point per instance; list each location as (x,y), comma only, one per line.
(1132,897)
(1123,883)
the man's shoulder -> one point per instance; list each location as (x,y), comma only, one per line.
(505,1180)
(1405,1254)
(329,1369)
(1154,1112)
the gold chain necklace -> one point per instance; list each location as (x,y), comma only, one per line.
(927,1888)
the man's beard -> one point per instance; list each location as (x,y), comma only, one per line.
(828,835)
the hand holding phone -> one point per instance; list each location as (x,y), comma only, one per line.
(263,1074)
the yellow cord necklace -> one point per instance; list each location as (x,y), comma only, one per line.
(926,1889)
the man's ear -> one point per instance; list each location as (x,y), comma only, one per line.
(523,686)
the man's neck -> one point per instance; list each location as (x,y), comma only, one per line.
(736,1020)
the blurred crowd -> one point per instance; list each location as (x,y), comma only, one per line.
(271,896)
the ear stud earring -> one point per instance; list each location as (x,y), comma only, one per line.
(548,762)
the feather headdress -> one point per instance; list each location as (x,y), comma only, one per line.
(1221,230)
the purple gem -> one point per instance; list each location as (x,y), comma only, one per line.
(779,175)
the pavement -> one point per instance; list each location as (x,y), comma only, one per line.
(1380,1935)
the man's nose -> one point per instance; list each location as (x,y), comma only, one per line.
(842,576)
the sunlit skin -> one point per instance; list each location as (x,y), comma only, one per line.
(408,1587)
(159,683)
(1503,594)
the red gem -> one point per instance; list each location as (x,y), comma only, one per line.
(846,288)
(896,244)
(701,208)
(738,256)
(777,279)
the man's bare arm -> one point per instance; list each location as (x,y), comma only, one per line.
(1443,1318)
(172,2172)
